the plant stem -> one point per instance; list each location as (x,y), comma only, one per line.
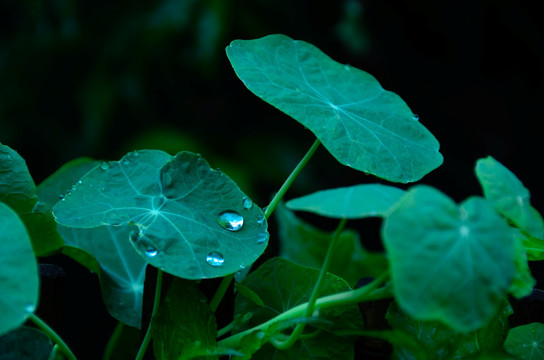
(53,336)
(220,292)
(313,297)
(113,340)
(350,297)
(225,330)
(147,337)
(291,179)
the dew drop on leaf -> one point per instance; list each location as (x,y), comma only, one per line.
(150,251)
(416,117)
(262,238)
(29,309)
(104,165)
(61,197)
(215,259)
(247,203)
(230,220)
(260,219)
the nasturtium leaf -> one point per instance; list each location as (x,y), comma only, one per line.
(192,221)
(534,247)
(526,341)
(434,340)
(17,190)
(509,197)
(362,125)
(352,202)
(25,343)
(448,263)
(523,283)
(283,285)
(185,326)
(104,249)
(18,272)
(307,245)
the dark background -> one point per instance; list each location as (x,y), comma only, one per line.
(101,78)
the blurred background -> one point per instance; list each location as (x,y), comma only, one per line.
(101,78)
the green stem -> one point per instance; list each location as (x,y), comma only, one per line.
(113,340)
(350,297)
(313,297)
(147,337)
(291,179)
(53,336)
(225,330)
(220,292)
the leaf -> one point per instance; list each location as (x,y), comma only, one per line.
(17,190)
(526,341)
(185,327)
(306,245)
(448,263)
(104,249)
(25,343)
(18,273)
(509,197)
(362,125)
(283,285)
(193,222)
(434,340)
(352,202)
(523,282)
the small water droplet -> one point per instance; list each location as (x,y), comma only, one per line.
(150,251)
(61,197)
(416,117)
(260,219)
(230,220)
(125,162)
(247,203)
(262,238)
(74,187)
(29,308)
(104,165)
(80,182)
(215,259)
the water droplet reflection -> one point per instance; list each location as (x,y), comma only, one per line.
(215,259)
(230,220)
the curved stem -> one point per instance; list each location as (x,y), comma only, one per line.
(220,292)
(291,179)
(113,340)
(147,337)
(313,297)
(61,345)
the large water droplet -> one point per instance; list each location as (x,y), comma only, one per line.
(247,203)
(104,165)
(230,220)
(262,238)
(150,251)
(215,259)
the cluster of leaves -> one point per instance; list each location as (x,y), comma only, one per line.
(448,268)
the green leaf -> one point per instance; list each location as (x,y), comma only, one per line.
(283,285)
(362,125)
(17,190)
(189,217)
(523,282)
(18,273)
(509,197)
(534,248)
(526,341)
(306,245)
(104,249)
(434,340)
(185,327)
(352,202)
(445,259)
(25,343)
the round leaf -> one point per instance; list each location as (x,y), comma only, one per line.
(361,124)
(448,263)
(526,341)
(193,222)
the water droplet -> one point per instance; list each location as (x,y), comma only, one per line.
(150,251)
(260,219)
(262,238)
(125,161)
(230,220)
(74,187)
(61,197)
(215,259)
(247,203)
(29,308)
(104,165)
(416,117)
(80,182)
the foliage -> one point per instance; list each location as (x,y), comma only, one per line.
(448,267)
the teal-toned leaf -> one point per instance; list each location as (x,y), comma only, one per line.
(352,202)
(192,221)
(17,190)
(523,282)
(362,125)
(448,263)
(105,250)
(25,343)
(434,340)
(307,245)
(18,272)
(283,285)
(526,341)
(185,327)
(509,197)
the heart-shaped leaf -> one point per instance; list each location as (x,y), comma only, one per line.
(449,263)
(193,222)
(361,124)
